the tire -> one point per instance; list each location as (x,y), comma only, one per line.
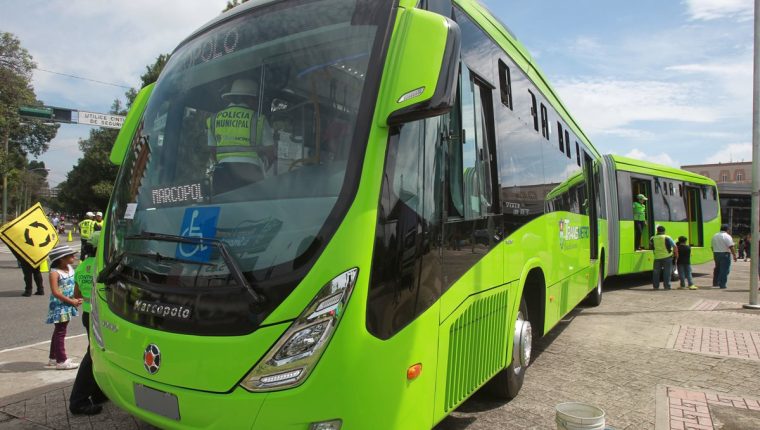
(594,298)
(507,383)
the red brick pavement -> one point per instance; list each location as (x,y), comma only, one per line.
(716,341)
(689,409)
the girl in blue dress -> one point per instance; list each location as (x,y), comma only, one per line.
(63,305)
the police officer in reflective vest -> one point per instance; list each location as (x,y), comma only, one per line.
(241,140)
(97,223)
(664,250)
(86,227)
(639,219)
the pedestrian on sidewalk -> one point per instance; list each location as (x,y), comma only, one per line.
(29,274)
(723,249)
(747,247)
(684,264)
(86,396)
(740,247)
(664,250)
(63,305)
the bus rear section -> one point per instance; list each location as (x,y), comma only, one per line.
(685,203)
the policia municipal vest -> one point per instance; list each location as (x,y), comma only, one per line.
(85,228)
(639,212)
(661,247)
(236,134)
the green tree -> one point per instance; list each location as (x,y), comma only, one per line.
(232,3)
(151,75)
(19,137)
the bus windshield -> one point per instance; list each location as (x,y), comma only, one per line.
(249,138)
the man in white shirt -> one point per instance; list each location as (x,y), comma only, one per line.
(723,249)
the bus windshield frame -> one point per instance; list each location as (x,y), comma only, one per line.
(311,82)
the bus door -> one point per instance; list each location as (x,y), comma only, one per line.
(644,186)
(592,195)
(694,215)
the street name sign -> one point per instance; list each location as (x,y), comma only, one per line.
(100,119)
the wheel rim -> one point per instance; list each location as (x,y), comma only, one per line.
(599,284)
(522,344)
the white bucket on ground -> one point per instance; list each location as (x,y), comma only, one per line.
(579,416)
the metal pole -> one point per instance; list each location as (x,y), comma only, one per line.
(755,164)
(5,177)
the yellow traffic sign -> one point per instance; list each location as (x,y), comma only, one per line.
(31,235)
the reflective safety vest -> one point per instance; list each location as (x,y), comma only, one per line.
(639,212)
(233,130)
(85,228)
(661,245)
(83,277)
(97,225)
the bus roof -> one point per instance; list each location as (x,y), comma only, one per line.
(654,169)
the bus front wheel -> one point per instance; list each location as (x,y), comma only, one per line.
(507,383)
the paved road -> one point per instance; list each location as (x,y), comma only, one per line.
(663,360)
(23,318)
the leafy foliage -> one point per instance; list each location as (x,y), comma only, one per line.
(23,136)
(232,3)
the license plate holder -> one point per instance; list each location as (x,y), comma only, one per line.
(157,401)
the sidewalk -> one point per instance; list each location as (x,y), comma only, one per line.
(658,360)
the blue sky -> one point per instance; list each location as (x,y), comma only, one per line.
(668,81)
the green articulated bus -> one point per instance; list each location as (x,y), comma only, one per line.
(685,203)
(341,214)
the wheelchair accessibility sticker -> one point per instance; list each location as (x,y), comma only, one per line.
(198,223)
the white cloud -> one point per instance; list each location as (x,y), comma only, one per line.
(706,10)
(732,153)
(607,106)
(732,75)
(661,158)
(103,40)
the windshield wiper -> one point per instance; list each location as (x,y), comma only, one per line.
(104,277)
(223,251)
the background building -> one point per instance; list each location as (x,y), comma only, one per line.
(735,188)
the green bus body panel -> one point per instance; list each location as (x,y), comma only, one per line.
(641,261)
(131,122)
(187,360)
(461,340)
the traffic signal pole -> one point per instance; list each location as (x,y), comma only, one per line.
(6,137)
(755,213)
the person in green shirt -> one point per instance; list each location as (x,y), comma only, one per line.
(664,250)
(86,396)
(639,219)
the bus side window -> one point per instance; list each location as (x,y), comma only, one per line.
(470,162)
(533,110)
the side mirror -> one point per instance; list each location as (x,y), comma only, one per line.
(421,68)
(131,122)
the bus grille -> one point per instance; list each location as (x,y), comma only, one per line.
(477,347)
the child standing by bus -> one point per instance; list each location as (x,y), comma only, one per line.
(63,305)
(684,264)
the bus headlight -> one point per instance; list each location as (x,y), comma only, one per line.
(296,353)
